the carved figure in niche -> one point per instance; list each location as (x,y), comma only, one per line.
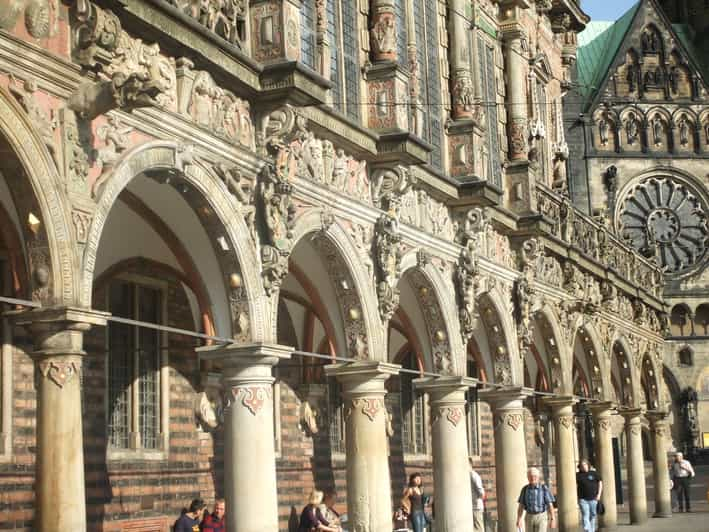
(706,131)
(44,123)
(383,35)
(603,131)
(657,130)
(632,128)
(649,80)
(683,130)
(339,169)
(632,77)
(202,103)
(115,136)
(650,42)
(464,94)
(674,79)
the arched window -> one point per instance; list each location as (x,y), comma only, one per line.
(680,321)
(686,357)
(701,320)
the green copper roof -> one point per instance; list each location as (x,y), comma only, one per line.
(597,46)
(685,35)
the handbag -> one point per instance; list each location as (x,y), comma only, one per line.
(601,508)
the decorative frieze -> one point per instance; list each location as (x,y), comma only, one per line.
(226,19)
(511,419)
(253,398)
(369,406)
(60,372)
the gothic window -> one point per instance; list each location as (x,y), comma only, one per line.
(335,416)
(666,221)
(134,361)
(429,78)
(412,410)
(701,320)
(686,357)
(472,412)
(681,321)
(307,33)
(486,62)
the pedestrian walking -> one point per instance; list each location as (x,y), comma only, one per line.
(189,521)
(414,493)
(536,505)
(590,486)
(215,522)
(476,487)
(682,472)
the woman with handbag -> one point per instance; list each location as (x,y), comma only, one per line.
(414,494)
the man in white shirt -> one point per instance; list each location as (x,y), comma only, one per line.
(476,486)
(681,471)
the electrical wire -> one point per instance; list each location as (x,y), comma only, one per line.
(478,384)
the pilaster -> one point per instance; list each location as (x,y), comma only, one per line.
(249,452)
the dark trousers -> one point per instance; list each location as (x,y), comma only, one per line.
(682,489)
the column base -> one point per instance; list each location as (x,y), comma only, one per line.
(662,514)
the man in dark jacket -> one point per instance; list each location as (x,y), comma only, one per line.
(189,521)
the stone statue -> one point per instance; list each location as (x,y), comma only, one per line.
(115,137)
(683,130)
(383,37)
(632,128)
(603,131)
(657,130)
(673,78)
(631,78)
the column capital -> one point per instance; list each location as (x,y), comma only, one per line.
(602,409)
(58,331)
(362,378)
(505,398)
(563,402)
(442,386)
(246,363)
(657,417)
(631,414)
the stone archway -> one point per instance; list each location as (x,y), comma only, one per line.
(503,350)
(589,343)
(238,259)
(49,239)
(626,377)
(558,359)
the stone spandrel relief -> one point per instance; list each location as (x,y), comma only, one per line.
(666,221)
(225,18)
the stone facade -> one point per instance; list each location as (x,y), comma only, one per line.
(638,139)
(383,186)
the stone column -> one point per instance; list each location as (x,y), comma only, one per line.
(562,414)
(510,450)
(368,481)
(516,94)
(462,90)
(57,334)
(603,445)
(451,477)
(659,428)
(637,497)
(249,453)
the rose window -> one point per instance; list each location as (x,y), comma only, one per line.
(666,222)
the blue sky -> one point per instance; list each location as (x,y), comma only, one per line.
(606,9)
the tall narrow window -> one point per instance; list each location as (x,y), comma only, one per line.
(336,417)
(402,33)
(307,33)
(412,411)
(426,31)
(134,367)
(486,60)
(472,412)
(344,56)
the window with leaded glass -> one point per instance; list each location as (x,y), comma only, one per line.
(344,56)
(307,33)
(336,419)
(413,437)
(472,412)
(427,55)
(486,62)
(134,355)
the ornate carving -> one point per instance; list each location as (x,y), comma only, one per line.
(389,251)
(518,140)
(463,95)
(225,18)
(566,421)
(82,222)
(530,253)
(115,138)
(454,415)
(370,407)
(214,108)
(467,272)
(603,424)
(252,397)
(513,420)
(279,214)
(60,372)
(383,35)
(76,161)
(243,191)
(134,74)
(388,185)
(45,123)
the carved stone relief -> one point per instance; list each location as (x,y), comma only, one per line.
(225,18)
(389,251)
(433,316)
